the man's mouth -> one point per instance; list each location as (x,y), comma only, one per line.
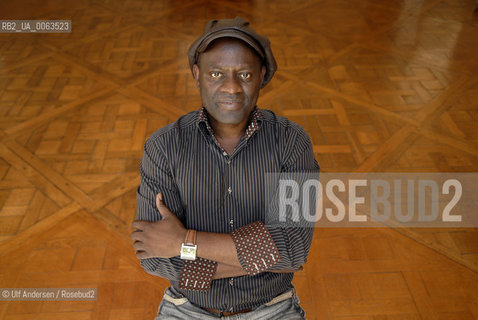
(230,104)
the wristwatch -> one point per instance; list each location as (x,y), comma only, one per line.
(189,247)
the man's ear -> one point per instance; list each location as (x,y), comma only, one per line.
(196,74)
(263,73)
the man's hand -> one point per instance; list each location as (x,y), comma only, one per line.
(162,238)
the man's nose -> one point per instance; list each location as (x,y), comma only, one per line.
(231,85)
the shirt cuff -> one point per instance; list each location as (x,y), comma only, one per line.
(197,274)
(256,250)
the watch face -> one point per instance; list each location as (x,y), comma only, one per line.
(188,252)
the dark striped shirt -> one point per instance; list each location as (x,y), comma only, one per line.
(212,191)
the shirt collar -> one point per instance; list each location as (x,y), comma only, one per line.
(253,125)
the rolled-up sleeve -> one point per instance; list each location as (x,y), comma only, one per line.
(293,244)
(156,178)
(293,240)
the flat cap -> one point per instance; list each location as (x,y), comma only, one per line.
(235,28)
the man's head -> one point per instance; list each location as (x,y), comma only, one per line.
(231,63)
(229,76)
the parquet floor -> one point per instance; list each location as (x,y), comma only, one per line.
(380,86)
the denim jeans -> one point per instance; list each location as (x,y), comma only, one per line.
(175,306)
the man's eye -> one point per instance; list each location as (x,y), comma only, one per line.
(215,74)
(245,75)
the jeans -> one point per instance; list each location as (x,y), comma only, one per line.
(175,306)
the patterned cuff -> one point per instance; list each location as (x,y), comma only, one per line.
(256,250)
(197,274)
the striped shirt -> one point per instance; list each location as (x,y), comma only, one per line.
(213,191)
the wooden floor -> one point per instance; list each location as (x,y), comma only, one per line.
(381,86)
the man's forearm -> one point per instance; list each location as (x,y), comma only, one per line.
(218,247)
(228,271)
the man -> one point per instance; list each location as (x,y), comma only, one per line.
(204,218)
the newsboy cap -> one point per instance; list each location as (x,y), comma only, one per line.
(235,28)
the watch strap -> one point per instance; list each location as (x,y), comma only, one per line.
(190,238)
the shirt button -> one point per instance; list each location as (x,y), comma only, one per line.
(229,190)
(231,282)
(231,222)
(224,153)
(228,161)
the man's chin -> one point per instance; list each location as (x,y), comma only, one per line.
(230,116)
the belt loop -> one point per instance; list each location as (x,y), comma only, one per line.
(175,301)
(286,295)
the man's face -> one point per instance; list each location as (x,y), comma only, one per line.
(229,76)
